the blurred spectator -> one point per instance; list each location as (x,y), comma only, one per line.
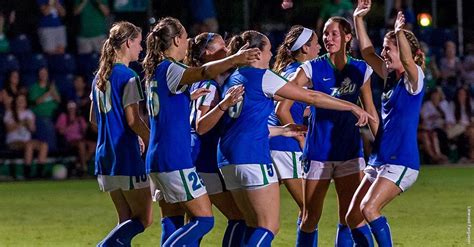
(51,31)
(20,124)
(431,68)
(81,96)
(401,5)
(434,114)
(23,18)
(93,26)
(461,129)
(72,127)
(204,16)
(45,100)
(12,89)
(468,65)
(451,69)
(334,8)
(4,45)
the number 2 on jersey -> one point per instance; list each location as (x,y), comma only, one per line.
(194,178)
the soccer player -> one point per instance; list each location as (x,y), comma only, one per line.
(394,163)
(300,45)
(120,170)
(333,147)
(169,153)
(206,112)
(244,152)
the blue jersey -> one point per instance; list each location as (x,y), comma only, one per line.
(168,110)
(396,142)
(245,132)
(281,143)
(204,147)
(118,151)
(332,135)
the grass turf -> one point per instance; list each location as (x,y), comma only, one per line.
(74,213)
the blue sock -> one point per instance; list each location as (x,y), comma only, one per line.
(381,231)
(344,236)
(298,224)
(261,237)
(307,239)
(122,234)
(191,233)
(248,233)
(169,225)
(362,236)
(234,233)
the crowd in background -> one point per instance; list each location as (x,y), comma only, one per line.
(45,78)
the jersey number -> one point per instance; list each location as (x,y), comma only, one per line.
(153,100)
(194,178)
(235,110)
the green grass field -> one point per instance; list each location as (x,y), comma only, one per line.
(74,213)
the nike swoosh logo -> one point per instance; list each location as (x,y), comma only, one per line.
(118,241)
(391,172)
(326,79)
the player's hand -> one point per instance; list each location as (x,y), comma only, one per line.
(199,92)
(246,56)
(362,115)
(400,22)
(363,7)
(292,130)
(142,145)
(233,96)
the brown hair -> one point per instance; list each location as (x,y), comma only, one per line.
(284,54)
(253,38)
(415,47)
(197,47)
(345,27)
(119,34)
(159,39)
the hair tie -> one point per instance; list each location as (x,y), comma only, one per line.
(302,39)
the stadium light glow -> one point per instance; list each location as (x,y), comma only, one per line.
(424,19)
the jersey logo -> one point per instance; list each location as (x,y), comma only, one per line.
(387,95)
(326,79)
(347,87)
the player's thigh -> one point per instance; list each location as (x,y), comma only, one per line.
(227,205)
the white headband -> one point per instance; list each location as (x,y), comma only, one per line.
(302,39)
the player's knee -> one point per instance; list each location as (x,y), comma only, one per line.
(369,210)
(354,217)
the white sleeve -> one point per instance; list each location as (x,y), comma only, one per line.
(173,77)
(308,70)
(132,93)
(368,73)
(271,83)
(207,99)
(421,78)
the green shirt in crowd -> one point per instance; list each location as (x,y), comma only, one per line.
(45,109)
(330,9)
(93,21)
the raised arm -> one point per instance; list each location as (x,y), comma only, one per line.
(212,69)
(404,51)
(366,47)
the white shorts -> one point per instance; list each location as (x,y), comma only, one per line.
(248,176)
(178,186)
(317,170)
(214,182)
(402,176)
(287,164)
(111,183)
(89,45)
(52,37)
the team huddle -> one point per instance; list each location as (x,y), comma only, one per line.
(226,130)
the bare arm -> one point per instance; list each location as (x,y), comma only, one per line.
(136,123)
(78,8)
(92,119)
(366,47)
(207,118)
(368,103)
(103,8)
(60,8)
(404,50)
(284,115)
(212,69)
